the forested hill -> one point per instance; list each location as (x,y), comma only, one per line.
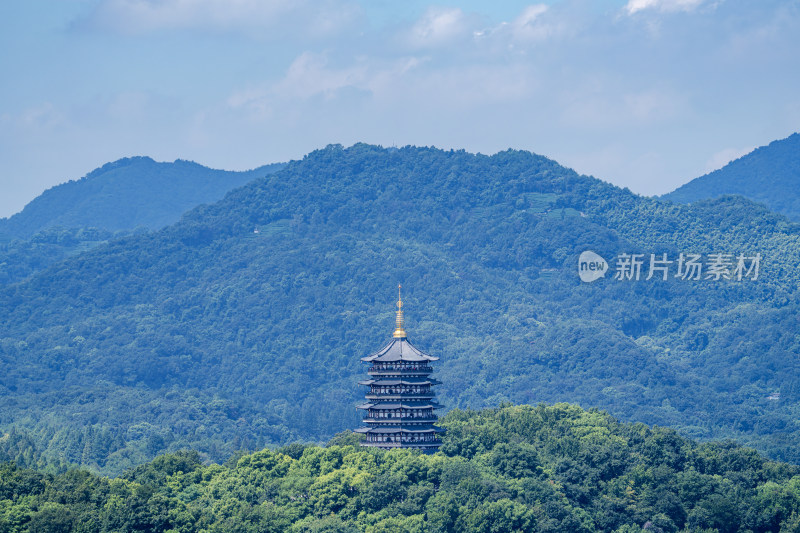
(126,194)
(512,469)
(130,195)
(769,174)
(243,324)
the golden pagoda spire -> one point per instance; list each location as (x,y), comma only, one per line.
(399,332)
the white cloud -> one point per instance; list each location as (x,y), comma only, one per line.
(602,105)
(529,24)
(312,75)
(438,26)
(317,83)
(142,16)
(460,88)
(129,105)
(534,26)
(42,117)
(530,14)
(147,15)
(654,105)
(723,157)
(635,6)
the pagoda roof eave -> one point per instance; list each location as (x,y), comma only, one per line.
(397,405)
(390,358)
(399,349)
(399,381)
(432,429)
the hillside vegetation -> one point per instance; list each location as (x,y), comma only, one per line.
(127,194)
(512,469)
(769,174)
(210,335)
(130,195)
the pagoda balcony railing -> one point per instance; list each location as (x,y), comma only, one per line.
(386,369)
(402,420)
(375,413)
(402,444)
(375,440)
(399,389)
(388,445)
(399,396)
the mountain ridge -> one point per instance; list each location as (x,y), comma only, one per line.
(209,335)
(126,194)
(769,174)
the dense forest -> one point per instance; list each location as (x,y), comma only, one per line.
(242,325)
(510,469)
(769,174)
(21,258)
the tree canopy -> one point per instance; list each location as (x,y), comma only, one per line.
(511,469)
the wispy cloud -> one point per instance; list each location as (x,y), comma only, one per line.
(310,74)
(250,16)
(313,75)
(42,117)
(439,26)
(606,107)
(634,6)
(725,156)
(530,24)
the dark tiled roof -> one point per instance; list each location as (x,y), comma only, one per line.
(399,381)
(396,405)
(399,350)
(400,429)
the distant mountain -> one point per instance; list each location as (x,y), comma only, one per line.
(126,194)
(243,323)
(133,194)
(770,175)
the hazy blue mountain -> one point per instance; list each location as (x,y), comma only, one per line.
(769,174)
(243,324)
(134,194)
(126,194)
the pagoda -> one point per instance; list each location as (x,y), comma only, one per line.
(400,403)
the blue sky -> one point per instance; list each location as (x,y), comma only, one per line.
(646,94)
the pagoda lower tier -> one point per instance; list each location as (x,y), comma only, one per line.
(425,439)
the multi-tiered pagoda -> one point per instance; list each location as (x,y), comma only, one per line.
(400,402)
